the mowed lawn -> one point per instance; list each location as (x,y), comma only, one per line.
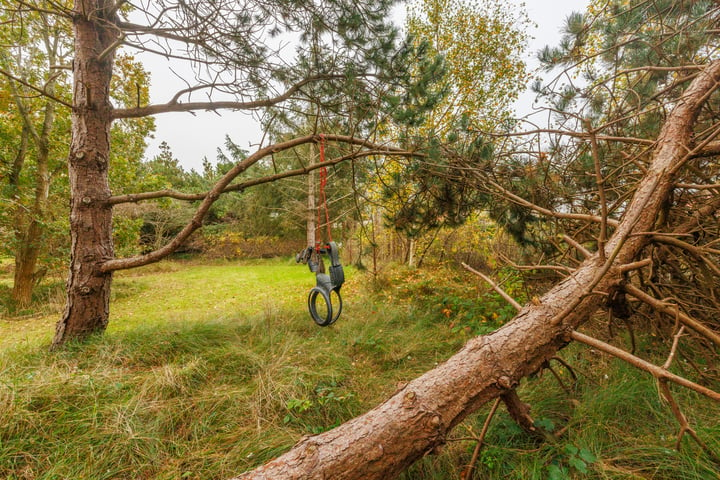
(170,292)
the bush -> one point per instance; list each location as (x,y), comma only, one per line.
(234,245)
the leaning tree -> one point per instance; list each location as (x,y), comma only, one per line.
(415,421)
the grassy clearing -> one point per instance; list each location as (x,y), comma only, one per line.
(207,370)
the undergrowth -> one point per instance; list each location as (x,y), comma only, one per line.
(209,370)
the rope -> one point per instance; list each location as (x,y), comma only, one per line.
(323,198)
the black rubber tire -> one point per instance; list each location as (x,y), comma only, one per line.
(327,298)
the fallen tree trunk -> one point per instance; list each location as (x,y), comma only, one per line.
(386,440)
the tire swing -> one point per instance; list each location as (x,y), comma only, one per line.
(327,287)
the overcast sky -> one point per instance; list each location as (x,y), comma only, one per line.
(192,137)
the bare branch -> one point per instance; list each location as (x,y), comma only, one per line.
(629,267)
(698,186)
(673,348)
(619,239)
(657,372)
(572,134)
(602,239)
(57,10)
(555,268)
(41,91)
(673,310)
(468,472)
(238,187)
(697,252)
(495,287)
(220,187)
(577,246)
(175,106)
(708,150)
(570,216)
(652,68)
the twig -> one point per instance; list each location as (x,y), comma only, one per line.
(673,349)
(607,138)
(682,420)
(671,309)
(495,287)
(567,367)
(602,237)
(602,271)
(111,49)
(467,473)
(575,244)
(557,377)
(697,252)
(41,91)
(658,372)
(629,267)
(547,212)
(555,268)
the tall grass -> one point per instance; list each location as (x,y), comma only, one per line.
(208,370)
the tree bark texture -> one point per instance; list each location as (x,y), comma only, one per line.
(26,259)
(414,422)
(88,288)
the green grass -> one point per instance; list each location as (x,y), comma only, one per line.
(207,370)
(616,427)
(204,371)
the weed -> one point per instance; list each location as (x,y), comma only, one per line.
(570,460)
(322,410)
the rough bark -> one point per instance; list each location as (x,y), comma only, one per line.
(386,440)
(88,288)
(26,259)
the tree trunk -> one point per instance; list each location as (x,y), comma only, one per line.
(28,252)
(411,252)
(414,422)
(29,222)
(22,292)
(311,226)
(88,288)
(26,259)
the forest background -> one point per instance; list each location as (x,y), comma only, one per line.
(429,172)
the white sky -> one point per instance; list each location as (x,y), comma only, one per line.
(192,137)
